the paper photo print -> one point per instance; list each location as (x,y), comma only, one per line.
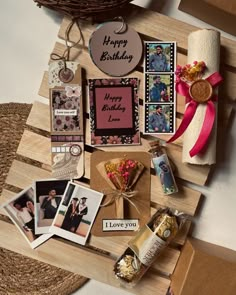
(21,210)
(48,195)
(76,213)
(160,56)
(159,118)
(159,88)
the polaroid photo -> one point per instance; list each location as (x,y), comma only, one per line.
(76,213)
(66,110)
(47,198)
(159,88)
(160,56)
(159,119)
(114,111)
(21,210)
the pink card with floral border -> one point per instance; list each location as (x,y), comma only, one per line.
(114,111)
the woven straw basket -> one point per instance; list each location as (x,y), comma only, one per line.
(80,8)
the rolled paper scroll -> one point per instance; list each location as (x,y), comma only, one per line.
(203,45)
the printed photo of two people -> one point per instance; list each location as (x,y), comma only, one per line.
(76,213)
(21,210)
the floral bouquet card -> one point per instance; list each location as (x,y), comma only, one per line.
(114,111)
(124,179)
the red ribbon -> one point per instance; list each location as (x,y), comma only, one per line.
(183,89)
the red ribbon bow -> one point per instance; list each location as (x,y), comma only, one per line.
(183,89)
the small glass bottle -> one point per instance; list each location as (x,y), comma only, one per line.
(163,168)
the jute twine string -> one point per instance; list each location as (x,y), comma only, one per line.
(116,195)
(66,54)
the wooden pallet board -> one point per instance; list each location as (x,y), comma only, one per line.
(96,260)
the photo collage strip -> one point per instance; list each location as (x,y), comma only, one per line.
(160,97)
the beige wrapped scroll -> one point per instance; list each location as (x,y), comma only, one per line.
(203,45)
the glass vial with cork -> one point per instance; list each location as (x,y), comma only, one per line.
(163,168)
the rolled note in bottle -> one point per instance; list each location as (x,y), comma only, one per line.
(163,168)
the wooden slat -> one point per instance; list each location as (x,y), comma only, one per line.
(38,115)
(5,196)
(35,147)
(165,263)
(155,26)
(18,176)
(196,174)
(182,235)
(22,175)
(93,72)
(22,181)
(186,199)
(117,245)
(43,109)
(192,173)
(56,253)
(44,87)
(227,46)
(39,118)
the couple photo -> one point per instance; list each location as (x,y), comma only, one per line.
(76,213)
(21,210)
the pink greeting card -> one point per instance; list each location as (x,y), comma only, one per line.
(114,111)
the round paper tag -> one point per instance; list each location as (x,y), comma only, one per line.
(66,75)
(115,48)
(75,150)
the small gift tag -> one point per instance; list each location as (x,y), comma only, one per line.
(66,112)
(115,48)
(124,179)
